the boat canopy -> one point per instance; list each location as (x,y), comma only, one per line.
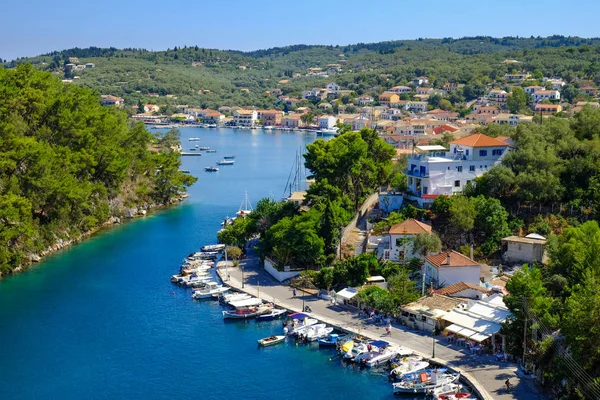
(253,301)
(299,315)
(379,343)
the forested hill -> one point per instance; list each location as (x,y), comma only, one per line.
(204,77)
(67,164)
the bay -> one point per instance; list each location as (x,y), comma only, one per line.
(102,321)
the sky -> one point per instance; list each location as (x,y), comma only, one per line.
(35,27)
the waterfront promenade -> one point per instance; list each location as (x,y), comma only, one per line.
(483,371)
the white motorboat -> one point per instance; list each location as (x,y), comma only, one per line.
(355,350)
(245,313)
(297,326)
(423,382)
(450,392)
(231,157)
(408,365)
(271,340)
(213,247)
(232,297)
(194,139)
(313,333)
(378,355)
(225,162)
(210,289)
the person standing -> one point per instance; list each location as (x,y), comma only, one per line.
(294,293)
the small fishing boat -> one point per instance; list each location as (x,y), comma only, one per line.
(210,289)
(273,314)
(424,382)
(213,247)
(246,313)
(211,151)
(226,299)
(211,169)
(225,162)
(450,391)
(203,147)
(231,157)
(299,322)
(330,340)
(194,139)
(406,366)
(271,340)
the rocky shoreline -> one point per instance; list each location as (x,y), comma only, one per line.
(128,214)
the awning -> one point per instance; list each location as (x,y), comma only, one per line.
(347,293)
(431,148)
(478,337)
(466,332)
(379,343)
(454,328)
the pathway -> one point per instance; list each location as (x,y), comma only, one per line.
(482,370)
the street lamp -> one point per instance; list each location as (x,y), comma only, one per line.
(433,339)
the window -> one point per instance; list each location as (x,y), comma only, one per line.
(410,181)
(471,168)
(459,168)
(497,152)
(424,189)
(456,183)
(482,153)
(448,168)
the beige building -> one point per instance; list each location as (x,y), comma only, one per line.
(245,117)
(529,249)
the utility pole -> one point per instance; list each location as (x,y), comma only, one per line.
(433,337)
(524,332)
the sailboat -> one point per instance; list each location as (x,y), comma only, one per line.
(295,179)
(245,207)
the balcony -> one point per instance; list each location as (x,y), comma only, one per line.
(417,174)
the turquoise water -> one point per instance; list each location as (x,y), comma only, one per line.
(102,321)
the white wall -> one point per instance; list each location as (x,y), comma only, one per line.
(396,251)
(279,275)
(446,276)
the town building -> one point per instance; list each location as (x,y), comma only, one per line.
(518,78)
(271,117)
(388,99)
(420,80)
(464,290)
(450,267)
(512,119)
(529,249)
(400,89)
(401,237)
(417,106)
(108,100)
(532,89)
(327,122)
(541,95)
(426,313)
(291,121)
(212,117)
(589,90)
(245,117)
(365,100)
(548,108)
(432,171)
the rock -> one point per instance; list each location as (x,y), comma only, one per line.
(131,212)
(142,212)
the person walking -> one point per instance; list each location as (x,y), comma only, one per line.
(388,329)
(294,293)
(507,383)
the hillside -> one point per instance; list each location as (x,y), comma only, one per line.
(211,78)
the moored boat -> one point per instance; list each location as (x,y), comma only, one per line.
(246,313)
(211,151)
(271,340)
(210,289)
(225,162)
(231,157)
(211,169)
(213,247)
(194,139)
(406,366)
(330,340)
(273,314)
(424,382)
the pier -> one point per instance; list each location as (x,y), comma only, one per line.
(484,375)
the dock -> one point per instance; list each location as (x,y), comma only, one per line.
(482,373)
(185,153)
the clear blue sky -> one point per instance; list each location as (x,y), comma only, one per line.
(32,27)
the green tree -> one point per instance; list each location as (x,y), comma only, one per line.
(403,290)
(517,100)
(425,243)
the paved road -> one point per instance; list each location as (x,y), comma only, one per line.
(484,370)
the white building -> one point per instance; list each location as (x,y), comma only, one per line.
(541,95)
(448,268)
(417,106)
(332,87)
(432,171)
(400,89)
(529,249)
(108,100)
(245,117)
(327,122)
(557,84)
(401,237)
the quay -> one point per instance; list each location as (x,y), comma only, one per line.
(484,374)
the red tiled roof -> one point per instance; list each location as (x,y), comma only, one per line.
(479,140)
(459,287)
(410,227)
(456,260)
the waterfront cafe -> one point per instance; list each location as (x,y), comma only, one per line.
(478,323)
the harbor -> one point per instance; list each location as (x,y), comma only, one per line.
(124,315)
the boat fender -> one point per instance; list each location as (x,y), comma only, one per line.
(285,330)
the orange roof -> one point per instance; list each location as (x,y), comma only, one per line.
(456,260)
(459,287)
(479,140)
(410,227)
